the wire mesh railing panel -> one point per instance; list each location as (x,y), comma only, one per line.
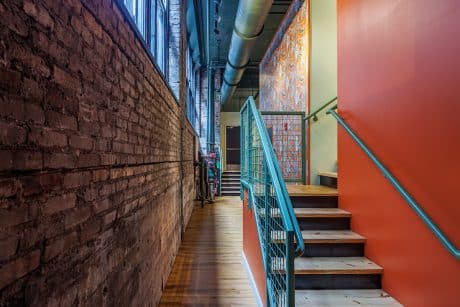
(268,201)
(286,131)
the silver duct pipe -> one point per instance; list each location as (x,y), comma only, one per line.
(249,22)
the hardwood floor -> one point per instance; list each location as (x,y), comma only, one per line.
(208,270)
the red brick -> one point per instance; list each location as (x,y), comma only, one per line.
(36,64)
(13,216)
(51,181)
(17,268)
(81,142)
(109,217)
(59,160)
(92,24)
(30,185)
(11,134)
(59,203)
(60,245)
(6,160)
(34,113)
(47,138)
(30,9)
(101,205)
(27,160)
(89,230)
(12,108)
(8,187)
(15,24)
(88,160)
(77,216)
(77,179)
(65,79)
(58,120)
(90,194)
(8,247)
(100,175)
(44,18)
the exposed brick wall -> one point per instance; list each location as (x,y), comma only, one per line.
(90,159)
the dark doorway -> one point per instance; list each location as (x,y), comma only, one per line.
(233,146)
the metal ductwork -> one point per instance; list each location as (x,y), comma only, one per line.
(249,23)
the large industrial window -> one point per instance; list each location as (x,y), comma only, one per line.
(151,20)
(192,91)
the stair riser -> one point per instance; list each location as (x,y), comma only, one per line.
(324,223)
(231,186)
(333,282)
(328,181)
(314,201)
(334,250)
(231,177)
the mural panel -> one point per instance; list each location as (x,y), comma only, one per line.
(284,68)
(284,87)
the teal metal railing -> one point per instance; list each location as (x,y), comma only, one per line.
(279,233)
(220,167)
(397,185)
(314,115)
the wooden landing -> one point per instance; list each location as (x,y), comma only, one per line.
(310,190)
(344,298)
(208,269)
(328,174)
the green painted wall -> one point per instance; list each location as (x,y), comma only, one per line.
(323,86)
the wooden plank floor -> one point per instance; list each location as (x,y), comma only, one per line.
(208,269)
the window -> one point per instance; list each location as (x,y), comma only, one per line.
(192,92)
(162,42)
(151,20)
(137,10)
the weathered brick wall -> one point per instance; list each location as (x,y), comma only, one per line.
(90,161)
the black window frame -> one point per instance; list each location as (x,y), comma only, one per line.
(147,42)
(192,84)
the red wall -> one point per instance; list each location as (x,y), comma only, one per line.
(251,249)
(399,89)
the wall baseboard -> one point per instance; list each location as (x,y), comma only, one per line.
(252,281)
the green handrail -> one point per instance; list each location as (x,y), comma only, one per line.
(314,115)
(397,185)
(275,217)
(221,168)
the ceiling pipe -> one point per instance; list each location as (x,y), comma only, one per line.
(249,23)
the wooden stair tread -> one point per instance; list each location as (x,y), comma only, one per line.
(310,190)
(332,236)
(321,212)
(323,236)
(344,298)
(328,174)
(335,265)
(314,213)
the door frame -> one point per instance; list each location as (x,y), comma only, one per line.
(226,145)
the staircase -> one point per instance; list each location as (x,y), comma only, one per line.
(333,270)
(231,183)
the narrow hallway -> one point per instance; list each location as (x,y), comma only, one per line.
(208,269)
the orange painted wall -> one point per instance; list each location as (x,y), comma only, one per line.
(399,82)
(251,249)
